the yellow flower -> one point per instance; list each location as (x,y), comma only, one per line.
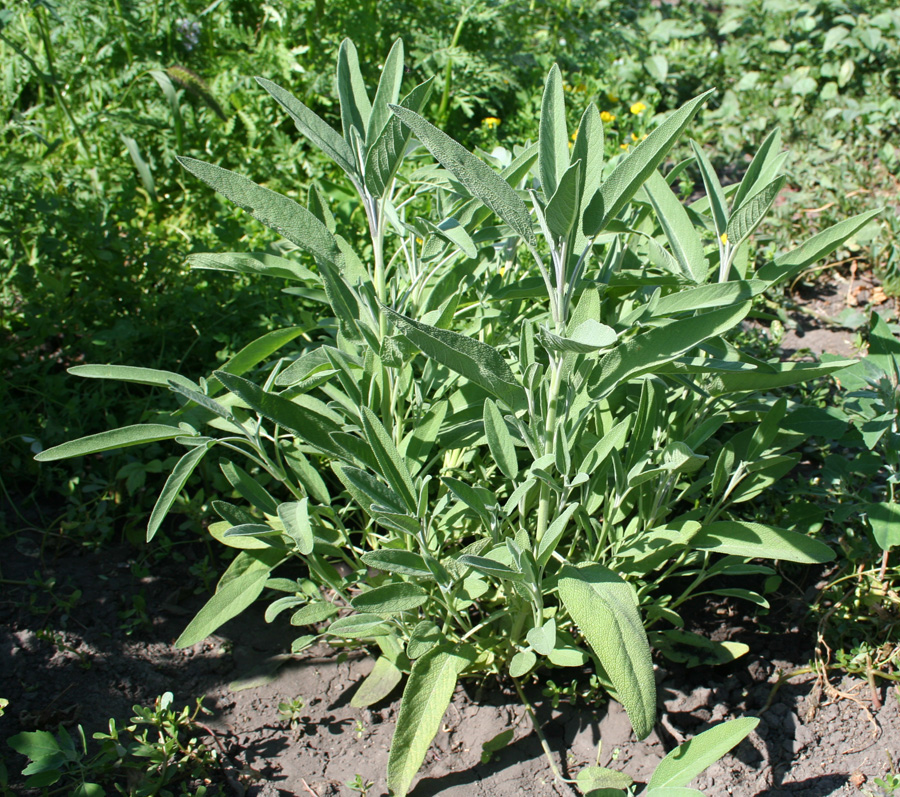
(634,137)
(574,135)
(611,97)
(638,108)
(502,271)
(724,238)
(626,145)
(606,117)
(491,122)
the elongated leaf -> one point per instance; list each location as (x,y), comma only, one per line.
(650,349)
(249,488)
(588,148)
(592,778)
(748,217)
(552,135)
(605,608)
(392,466)
(378,684)
(564,208)
(393,560)
(425,699)
(419,442)
(714,192)
(787,373)
(255,352)
(490,567)
(759,169)
(387,92)
(370,493)
(319,132)
(479,178)
(588,336)
(173,487)
(685,762)
(314,613)
(500,440)
(355,106)
(288,218)
(468,357)
(633,171)
(384,156)
(684,240)
(305,423)
(227,603)
(820,245)
(130,373)
(255,263)
(706,296)
(547,544)
(673,791)
(756,540)
(360,626)
(107,441)
(390,599)
(295,517)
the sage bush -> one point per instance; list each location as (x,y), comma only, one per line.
(517,438)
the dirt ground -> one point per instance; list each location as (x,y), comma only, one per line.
(811,740)
(83,661)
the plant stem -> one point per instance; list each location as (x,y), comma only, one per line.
(549,428)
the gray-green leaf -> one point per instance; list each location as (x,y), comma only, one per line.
(605,608)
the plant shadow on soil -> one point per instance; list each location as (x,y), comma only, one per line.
(84,668)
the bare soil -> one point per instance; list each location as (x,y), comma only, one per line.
(82,661)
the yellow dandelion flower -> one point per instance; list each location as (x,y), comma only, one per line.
(502,271)
(638,108)
(490,122)
(606,117)
(724,238)
(634,137)
(626,145)
(574,135)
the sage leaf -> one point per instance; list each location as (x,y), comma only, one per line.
(360,626)
(228,602)
(387,92)
(378,684)
(685,762)
(479,178)
(757,540)
(553,138)
(318,131)
(107,441)
(684,240)
(396,560)
(173,487)
(253,263)
(390,599)
(634,170)
(389,460)
(288,218)
(500,440)
(355,106)
(605,608)
(130,373)
(425,699)
(294,515)
(749,216)
(471,358)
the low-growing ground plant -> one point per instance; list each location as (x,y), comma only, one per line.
(518,438)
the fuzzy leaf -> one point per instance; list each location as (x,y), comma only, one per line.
(552,135)
(227,603)
(425,699)
(479,178)
(685,762)
(634,170)
(107,441)
(605,608)
(378,684)
(173,487)
(500,440)
(467,356)
(390,599)
(758,540)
